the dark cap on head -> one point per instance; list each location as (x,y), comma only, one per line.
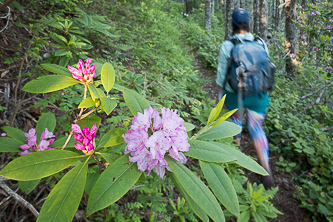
(240,17)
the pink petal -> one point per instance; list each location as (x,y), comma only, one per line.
(90,147)
(24,153)
(88,62)
(76,128)
(72,69)
(24,147)
(86,141)
(80,65)
(79,146)
(91,68)
(78,137)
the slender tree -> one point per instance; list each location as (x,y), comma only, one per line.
(229,9)
(208,15)
(263,19)
(256,20)
(242,3)
(291,36)
(277,15)
(188,7)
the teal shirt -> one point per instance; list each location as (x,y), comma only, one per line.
(258,102)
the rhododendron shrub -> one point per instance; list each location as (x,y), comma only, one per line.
(156,140)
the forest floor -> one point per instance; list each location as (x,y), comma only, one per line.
(284,200)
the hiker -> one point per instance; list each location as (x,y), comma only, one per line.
(256,104)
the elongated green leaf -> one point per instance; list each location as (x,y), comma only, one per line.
(8,144)
(60,52)
(219,106)
(112,138)
(14,133)
(121,175)
(47,120)
(91,180)
(242,159)
(244,216)
(258,217)
(197,190)
(189,126)
(28,186)
(109,157)
(47,84)
(57,69)
(64,199)
(108,105)
(221,185)
(39,164)
(211,116)
(195,207)
(223,130)
(209,152)
(108,76)
(135,102)
(59,142)
(93,92)
(224,117)
(86,103)
(17,6)
(119,87)
(90,121)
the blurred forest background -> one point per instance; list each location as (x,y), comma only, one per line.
(167,51)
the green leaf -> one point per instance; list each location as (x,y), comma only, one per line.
(47,120)
(119,87)
(209,152)
(224,117)
(58,38)
(112,138)
(90,121)
(60,52)
(60,141)
(107,76)
(243,160)
(91,180)
(50,83)
(63,201)
(86,103)
(189,126)
(196,189)
(211,116)
(57,69)
(93,92)
(17,6)
(258,217)
(223,130)
(108,104)
(14,133)
(39,164)
(244,216)
(195,207)
(221,185)
(121,175)
(10,145)
(109,157)
(28,186)
(65,59)
(135,102)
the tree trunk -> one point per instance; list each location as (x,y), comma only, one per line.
(263,20)
(228,27)
(208,15)
(188,7)
(242,4)
(291,36)
(304,4)
(256,20)
(277,15)
(212,7)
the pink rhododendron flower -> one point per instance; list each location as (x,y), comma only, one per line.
(84,72)
(152,136)
(318,13)
(312,14)
(292,55)
(32,142)
(315,49)
(329,68)
(84,138)
(302,37)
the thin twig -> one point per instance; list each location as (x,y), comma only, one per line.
(314,92)
(19,198)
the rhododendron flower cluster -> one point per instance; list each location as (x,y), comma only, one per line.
(83,73)
(32,141)
(85,138)
(152,136)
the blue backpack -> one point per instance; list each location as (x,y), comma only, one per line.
(250,70)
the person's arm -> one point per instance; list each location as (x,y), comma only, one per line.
(222,67)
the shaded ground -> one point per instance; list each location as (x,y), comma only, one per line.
(284,200)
